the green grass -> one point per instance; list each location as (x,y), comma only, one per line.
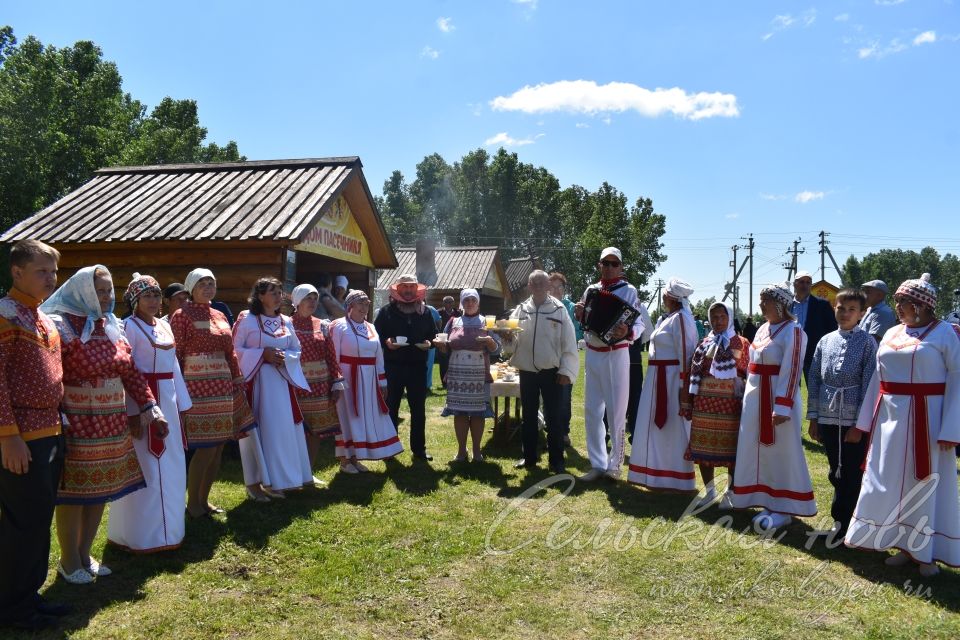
(402,553)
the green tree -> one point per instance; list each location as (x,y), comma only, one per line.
(893,266)
(172,134)
(702,308)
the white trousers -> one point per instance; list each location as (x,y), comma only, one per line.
(606,388)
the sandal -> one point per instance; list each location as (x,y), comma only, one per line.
(80,576)
(97,569)
(461,458)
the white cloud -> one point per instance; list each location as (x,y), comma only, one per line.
(582,125)
(843,17)
(888,3)
(766,36)
(783,21)
(772,196)
(925,37)
(504,139)
(429,52)
(530,4)
(607,120)
(808,196)
(587,97)
(787,21)
(876,50)
(476,108)
(445,24)
(732,216)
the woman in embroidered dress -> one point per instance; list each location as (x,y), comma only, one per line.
(366,430)
(274,454)
(908,500)
(771,469)
(468,379)
(152,519)
(321,369)
(220,411)
(716,386)
(101,464)
(662,430)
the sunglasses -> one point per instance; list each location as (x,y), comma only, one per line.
(610,263)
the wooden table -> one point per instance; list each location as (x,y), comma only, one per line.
(503,428)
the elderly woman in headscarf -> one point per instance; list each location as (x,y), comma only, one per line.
(98,375)
(717,375)
(911,411)
(220,411)
(468,379)
(366,430)
(320,366)
(152,519)
(771,470)
(662,430)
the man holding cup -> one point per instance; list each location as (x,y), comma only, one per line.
(406,330)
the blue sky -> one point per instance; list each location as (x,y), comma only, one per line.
(776,118)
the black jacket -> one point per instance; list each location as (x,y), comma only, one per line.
(820,321)
(391,322)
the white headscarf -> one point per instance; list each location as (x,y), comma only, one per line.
(300,292)
(722,370)
(196,276)
(468,293)
(682,291)
(78,296)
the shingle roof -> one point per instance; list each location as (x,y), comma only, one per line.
(518,270)
(266,200)
(457,267)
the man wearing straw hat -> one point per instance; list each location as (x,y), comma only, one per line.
(406,332)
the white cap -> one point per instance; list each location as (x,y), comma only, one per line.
(802,274)
(611,251)
(340,281)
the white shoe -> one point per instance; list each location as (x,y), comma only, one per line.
(276,495)
(80,576)
(591,475)
(898,560)
(707,499)
(317,482)
(98,569)
(726,501)
(778,520)
(348,468)
(928,569)
(361,468)
(613,474)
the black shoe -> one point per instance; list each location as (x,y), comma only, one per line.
(34,622)
(524,464)
(557,470)
(57,609)
(423,456)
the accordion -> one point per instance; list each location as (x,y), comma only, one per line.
(603,310)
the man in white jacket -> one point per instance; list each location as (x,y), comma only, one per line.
(545,353)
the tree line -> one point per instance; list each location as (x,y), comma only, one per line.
(484,200)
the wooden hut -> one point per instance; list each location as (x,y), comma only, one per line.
(449,270)
(290,219)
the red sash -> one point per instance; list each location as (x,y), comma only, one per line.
(660,412)
(156,446)
(765,371)
(355,363)
(918,393)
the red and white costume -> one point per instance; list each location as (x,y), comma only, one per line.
(908,499)
(771,469)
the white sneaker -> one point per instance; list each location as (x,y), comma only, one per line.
(591,475)
(898,560)
(613,474)
(348,468)
(80,576)
(778,520)
(360,467)
(928,569)
(98,569)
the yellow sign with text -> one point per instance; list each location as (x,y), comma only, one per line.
(824,289)
(338,235)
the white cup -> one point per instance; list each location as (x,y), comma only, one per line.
(400,339)
(441,337)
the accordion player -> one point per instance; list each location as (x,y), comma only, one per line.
(603,311)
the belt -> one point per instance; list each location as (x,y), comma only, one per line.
(660,412)
(622,345)
(918,393)
(766,407)
(356,362)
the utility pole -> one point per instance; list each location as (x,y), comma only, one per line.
(823,254)
(749,247)
(791,266)
(658,297)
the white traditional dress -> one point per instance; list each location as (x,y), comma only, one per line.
(771,469)
(273,454)
(152,519)
(367,432)
(661,436)
(908,499)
